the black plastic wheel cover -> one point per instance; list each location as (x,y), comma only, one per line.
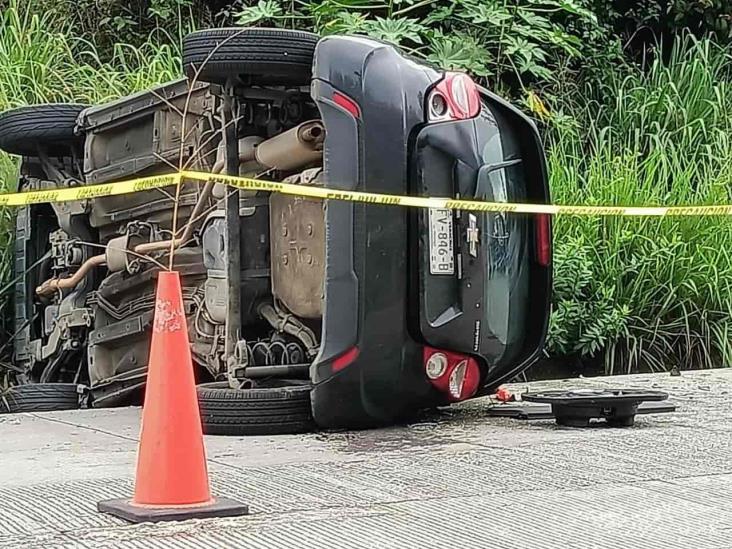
(594,397)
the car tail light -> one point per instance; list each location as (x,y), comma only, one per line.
(347,104)
(543,239)
(454,374)
(346,359)
(435,365)
(456,381)
(455,97)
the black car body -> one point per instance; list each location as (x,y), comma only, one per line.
(383,307)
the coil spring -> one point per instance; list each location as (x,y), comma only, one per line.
(275,353)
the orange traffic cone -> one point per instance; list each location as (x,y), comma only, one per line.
(172,478)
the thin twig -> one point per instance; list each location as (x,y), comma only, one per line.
(206,211)
(167,102)
(207,141)
(179,184)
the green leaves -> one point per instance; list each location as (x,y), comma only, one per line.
(264,10)
(460,51)
(493,13)
(395,30)
(166,9)
(512,41)
(646,294)
(527,57)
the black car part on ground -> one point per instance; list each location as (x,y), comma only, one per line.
(577,407)
(531,410)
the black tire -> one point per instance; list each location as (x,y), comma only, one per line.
(40,397)
(259,56)
(52,126)
(281,407)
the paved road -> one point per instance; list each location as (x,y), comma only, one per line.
(460,479)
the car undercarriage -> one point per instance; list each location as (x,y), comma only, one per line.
(84,315)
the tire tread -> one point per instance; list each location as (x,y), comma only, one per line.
(40,397)
(268,55)
(24,128)
(257,411)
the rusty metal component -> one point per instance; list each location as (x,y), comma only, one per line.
(49,287)
(297,239)
(299,147)
(293,149)
(248,147)
(248,164)
(116,255)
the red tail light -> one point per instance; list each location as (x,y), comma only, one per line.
(454,374)
(347,104)
(543,239)
(346,359)
(456,97)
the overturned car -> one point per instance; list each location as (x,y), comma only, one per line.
(339,313)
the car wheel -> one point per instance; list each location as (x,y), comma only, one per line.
(25,129)
(274,407)
(40,397)
(259,56)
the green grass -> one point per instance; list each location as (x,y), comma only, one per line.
(42,66)
(38,65)
(648,293)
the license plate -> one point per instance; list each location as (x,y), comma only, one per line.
(442,257)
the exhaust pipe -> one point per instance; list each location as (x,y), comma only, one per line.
(293,149)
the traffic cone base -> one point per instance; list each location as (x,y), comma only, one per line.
(132,512)
(172,478)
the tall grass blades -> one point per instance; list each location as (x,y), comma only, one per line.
(38,65)
(647,293)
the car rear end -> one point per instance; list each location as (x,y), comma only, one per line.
(423,307)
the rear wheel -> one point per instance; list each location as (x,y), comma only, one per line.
(40,397)
(259,56)
(274,407)
(53,127)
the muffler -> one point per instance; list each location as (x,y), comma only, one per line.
(293,149)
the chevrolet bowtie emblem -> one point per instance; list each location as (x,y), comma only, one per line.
(473,235)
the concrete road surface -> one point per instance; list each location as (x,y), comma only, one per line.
(457,479)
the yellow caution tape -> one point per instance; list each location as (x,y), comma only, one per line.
(146,183)
(70,194)
(453,204)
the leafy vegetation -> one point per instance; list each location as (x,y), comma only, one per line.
(633,98)
(491,39)
(650,293)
